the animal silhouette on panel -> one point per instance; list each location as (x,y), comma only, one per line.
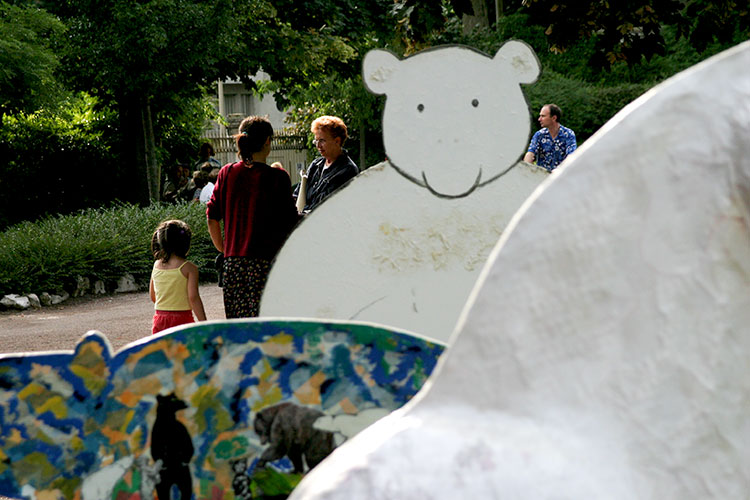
(288,430)
(455,126)
(171,443)
(80,424)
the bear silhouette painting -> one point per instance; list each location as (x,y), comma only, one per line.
(411,235)
(288,430)
(91,424)
(171,443)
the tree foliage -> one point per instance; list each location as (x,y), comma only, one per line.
(146,55)
(723,21)
(57,160)
(154,61)
(337,88)
(627,31)
(27,62)
(415,22)
(349,100)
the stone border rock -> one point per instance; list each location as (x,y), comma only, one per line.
(18,302)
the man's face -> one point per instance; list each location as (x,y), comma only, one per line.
(545,118)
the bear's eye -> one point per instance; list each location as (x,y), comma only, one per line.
(475,102)
(420,107)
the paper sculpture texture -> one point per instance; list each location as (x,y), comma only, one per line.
(403,243)
(605,351)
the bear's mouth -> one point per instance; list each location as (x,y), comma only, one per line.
(477,183)
(423,182)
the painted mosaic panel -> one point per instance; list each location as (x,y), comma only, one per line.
(218,410)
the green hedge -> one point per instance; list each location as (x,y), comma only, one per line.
(58,161)
(100,244)
(585,107)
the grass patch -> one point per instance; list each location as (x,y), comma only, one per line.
(100,244)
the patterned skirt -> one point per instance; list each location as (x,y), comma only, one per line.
(244,280)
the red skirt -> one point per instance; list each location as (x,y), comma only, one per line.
(168,319)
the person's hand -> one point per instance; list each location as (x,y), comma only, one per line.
(303,172)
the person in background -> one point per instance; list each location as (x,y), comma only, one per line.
(255,203)
(333,168)
(206,154)
(211,175)
(186,192)
(200,179)
(173,287)
(176,181)
(279,165)
(553,143)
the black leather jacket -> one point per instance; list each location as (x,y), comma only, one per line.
(320,184)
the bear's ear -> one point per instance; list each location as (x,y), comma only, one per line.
(378,68)
(520,59)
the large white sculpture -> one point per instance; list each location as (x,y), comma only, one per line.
(604,353)
(404,242)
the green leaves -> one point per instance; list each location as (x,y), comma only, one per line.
(724,21)
(101,244)
(623,31)
(27,61)
(57,159)
(268,483)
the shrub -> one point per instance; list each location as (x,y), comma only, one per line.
(57,161)
(586,107)
(101,244)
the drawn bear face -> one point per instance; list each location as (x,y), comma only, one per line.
(454,118)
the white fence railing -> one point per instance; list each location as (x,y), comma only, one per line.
(290,150)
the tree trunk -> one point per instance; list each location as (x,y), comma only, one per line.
(134,150)
(153,172)
(480,18)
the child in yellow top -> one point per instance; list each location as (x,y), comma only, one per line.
(174,280)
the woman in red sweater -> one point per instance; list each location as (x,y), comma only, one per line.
(255,203)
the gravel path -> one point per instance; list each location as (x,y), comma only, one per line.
(123,318)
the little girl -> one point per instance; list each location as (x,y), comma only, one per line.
(174,280)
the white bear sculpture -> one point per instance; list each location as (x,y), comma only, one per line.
(604,353)
(403,243)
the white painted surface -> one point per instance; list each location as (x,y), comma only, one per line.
(100,484)
(404,242)
(604,352)
(345,426)
(265,105)
(411,265)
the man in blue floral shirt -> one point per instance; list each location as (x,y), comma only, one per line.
(553,143)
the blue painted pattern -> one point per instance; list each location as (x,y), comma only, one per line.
(65,416)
